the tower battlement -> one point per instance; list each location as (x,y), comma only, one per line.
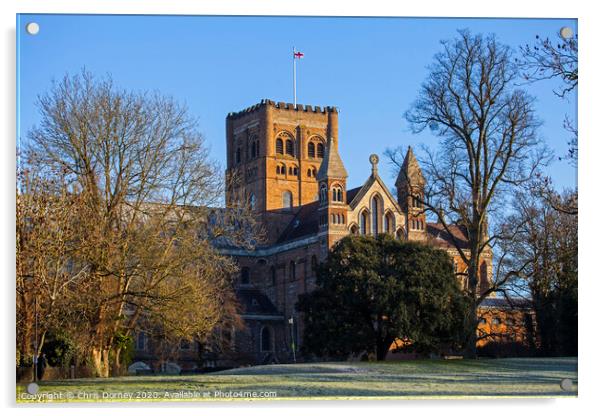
(281,105)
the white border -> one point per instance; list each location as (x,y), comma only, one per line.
(589,181)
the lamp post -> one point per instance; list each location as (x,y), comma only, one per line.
(291,321)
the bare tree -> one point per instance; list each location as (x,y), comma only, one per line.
(555,59)
(140,170)
(488,147)
(546,250)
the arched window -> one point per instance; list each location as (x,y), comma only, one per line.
(309,173)
(273,275)
(292,272)
(364,223)
(279,146)
(141,341)
(375,214)
(313,172)
(320,150)
(295,171)
(253,149)
(290,149)
(290,170)
(323,193)
(311,149)
(334,218)
(337,194)
(252,201)
(389,223)
(244,276)
(287,199)
(266,339)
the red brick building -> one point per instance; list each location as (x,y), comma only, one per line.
(287,167)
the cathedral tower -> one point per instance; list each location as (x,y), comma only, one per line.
(410,192)
(274,152)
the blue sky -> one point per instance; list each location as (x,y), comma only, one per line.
(371,68)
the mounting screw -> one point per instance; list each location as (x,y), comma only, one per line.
(32,28)
(566,32)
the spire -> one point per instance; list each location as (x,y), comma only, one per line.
(410,171)
(332,165)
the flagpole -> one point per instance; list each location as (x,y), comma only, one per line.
(294,78)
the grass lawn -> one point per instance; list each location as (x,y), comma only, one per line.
(484,378)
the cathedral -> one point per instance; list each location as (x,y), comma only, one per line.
(283,161)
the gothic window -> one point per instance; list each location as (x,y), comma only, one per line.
(141,341)
(253,150)
(266,339)
(313,172)
(295,171)
(279,146)
(320,150)
(244,276)
(389,223)
(364,223)
(287,199)
(375,211)
(290,149)
(309,173)
(311,150)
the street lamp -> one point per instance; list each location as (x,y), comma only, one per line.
(291,321)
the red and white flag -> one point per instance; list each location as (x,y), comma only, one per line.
(298,55)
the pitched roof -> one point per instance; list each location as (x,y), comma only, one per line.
(255,302)
(332,165)
(410,171)
(351,193)
(303,224)
(439,236)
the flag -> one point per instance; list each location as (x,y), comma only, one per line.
(298,55)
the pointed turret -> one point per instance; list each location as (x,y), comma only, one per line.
(332,182)
(410,172)
(410,193)
(332,165)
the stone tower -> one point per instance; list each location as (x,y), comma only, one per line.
(274,152)
(410,191)
(332,182)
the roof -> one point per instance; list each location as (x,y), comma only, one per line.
(351,193)
(332,165)
(506,303)
(410,171)
(255,302)
(439,236)
(303,224)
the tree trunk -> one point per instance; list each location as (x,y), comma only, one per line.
(117,362)
(470,348)
(100,361)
